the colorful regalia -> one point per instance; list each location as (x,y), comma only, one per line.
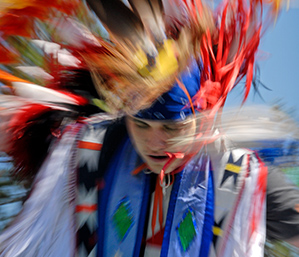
(192,224)
(86,199)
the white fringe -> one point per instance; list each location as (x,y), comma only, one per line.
(45,226)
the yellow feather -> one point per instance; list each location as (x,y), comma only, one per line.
(166,62)
(15,4)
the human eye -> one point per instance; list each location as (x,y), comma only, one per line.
(141,124)
(172,127)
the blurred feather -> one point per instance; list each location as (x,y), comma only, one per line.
(63,56)
(130,28)
(255,127)
(130,71)
(229,56)
(73,33)
(35,72)
(46,46)
(27,128)
(150,43)
(151,15)
(269,131)
(38,93)
(7,77)
(8,56)
(176,14)
(256,124)
(17,17)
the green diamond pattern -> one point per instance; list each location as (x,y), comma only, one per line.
(123,218)
(186,230)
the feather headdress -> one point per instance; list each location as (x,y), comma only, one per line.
(149,43)
(142,51)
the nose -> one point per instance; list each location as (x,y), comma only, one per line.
(157,140)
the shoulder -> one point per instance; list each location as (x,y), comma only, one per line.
(235,162)
(282,206)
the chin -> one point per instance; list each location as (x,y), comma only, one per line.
(155,168)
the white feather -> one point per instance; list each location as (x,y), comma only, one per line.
(35,71)
(257,123)
(74,33)
(39,93)
(175,12)
(63,56)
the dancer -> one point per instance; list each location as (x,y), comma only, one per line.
(160,180)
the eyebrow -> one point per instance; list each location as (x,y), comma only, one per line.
(137,120)
(179,123)
(133,118)
(175,125)
(164,122)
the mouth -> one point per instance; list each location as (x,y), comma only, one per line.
(158,158)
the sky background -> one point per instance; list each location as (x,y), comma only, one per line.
(278,59)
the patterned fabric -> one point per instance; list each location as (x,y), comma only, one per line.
(238,229)
(239,180)
(118,178)
(187,230)
(123,218)
(120,185)
(89,181)
(239,226)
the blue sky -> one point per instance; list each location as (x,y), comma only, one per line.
(278,59)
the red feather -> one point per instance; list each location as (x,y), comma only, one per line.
(27,133)
(237,42)
(7,56)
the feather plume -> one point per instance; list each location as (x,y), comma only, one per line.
(151,15)
(131,27)
(142,64)
(229,53)
(27,128)
(268,130)
(150,43)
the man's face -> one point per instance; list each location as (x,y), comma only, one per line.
(152,139)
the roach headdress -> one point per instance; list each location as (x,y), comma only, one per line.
(134,51)
(144,47)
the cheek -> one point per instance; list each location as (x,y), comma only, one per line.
(190,131)
(137,136)
(186,140)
